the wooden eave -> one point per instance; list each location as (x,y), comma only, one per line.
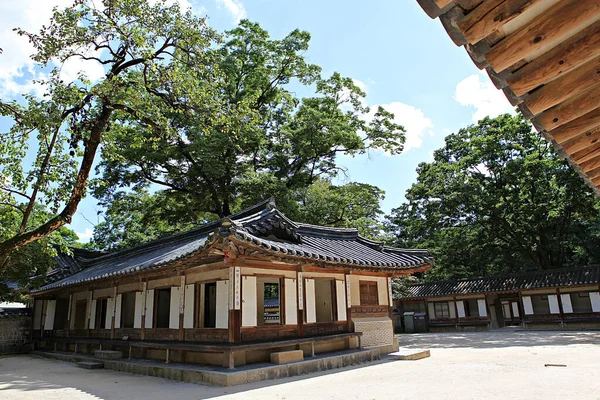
(545,56)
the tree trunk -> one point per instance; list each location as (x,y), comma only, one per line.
(91,146)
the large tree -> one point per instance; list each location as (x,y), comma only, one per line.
(498,199)
(256,137)
(142,49)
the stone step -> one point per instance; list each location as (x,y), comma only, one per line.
(108,354)
(285,357)
(406,354)
(90,365)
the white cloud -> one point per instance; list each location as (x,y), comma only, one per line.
(360,84)
(16,67)
(86,235)
(413,119)
(235,8)
(478,91)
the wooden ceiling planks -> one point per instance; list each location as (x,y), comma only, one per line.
(545,56)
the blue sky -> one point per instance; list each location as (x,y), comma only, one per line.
(404,60)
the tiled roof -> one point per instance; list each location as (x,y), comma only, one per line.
(13,312)
(261,225)
(532,280)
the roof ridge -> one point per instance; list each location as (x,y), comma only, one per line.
(213,225)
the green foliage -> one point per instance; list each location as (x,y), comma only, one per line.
(497,199)
(142,49)
(30,263)
(238,133)
(353,205)
(137,217)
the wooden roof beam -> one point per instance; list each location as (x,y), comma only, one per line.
(557,22)
(434,8)
(577,127)
(582,141)
(591,165)
(586,154)
(571,109)
(564,87)
(490,16)
(569,54)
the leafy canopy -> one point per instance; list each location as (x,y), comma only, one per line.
(497,199)
(251,138)
(142,48)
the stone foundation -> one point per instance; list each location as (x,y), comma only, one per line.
(376,332)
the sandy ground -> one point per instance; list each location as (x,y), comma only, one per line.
(489,365)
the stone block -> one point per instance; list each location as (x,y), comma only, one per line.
(108,354)
(90,365)
(284,357)
(410,354)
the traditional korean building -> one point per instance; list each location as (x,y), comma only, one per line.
(556,299)
(227,293)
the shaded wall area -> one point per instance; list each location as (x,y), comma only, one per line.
(15,331)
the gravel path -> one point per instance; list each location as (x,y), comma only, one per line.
(488,365)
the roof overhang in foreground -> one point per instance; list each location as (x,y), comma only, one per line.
(545,56)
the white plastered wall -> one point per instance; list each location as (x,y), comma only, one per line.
(249,300)
(291,307)
(565,300)
(174,307)
(50,313)
(310,301)
(340,293)
(222,316)
(188,311)
(137,315)
(595,300)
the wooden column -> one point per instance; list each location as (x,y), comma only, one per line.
(521,310)
(114,312)
(89,314)
(348,302)
(455,312)
(390,298)
(560,308)
(69,314)
(235,313)
(300,301)
(181,308)
(143,327)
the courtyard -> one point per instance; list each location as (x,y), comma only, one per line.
(473,365)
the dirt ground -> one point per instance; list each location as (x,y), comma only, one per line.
(489,365)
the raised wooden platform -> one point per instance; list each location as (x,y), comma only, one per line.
(229,349)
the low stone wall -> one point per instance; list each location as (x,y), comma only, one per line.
(376,332)
(15,334)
